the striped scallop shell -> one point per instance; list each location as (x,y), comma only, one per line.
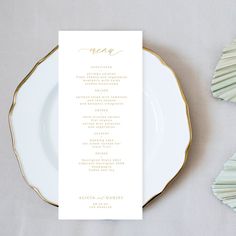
(224,79)
(224,186)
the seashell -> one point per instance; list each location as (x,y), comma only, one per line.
(224,79)
(224,186)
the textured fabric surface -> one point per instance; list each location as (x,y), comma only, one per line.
(190,36)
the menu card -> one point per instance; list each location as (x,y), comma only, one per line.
(100,125)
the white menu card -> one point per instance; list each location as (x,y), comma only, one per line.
(100,125)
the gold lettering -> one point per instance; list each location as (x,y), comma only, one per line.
(106,51)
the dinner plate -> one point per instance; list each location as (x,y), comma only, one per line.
(33,119)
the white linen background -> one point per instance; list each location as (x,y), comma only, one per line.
(190,36)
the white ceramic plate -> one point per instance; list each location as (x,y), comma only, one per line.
(33,125)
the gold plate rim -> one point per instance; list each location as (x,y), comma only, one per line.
(13,137)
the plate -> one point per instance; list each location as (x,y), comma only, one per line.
(34,126)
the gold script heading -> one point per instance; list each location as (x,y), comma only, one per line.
(105,51)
